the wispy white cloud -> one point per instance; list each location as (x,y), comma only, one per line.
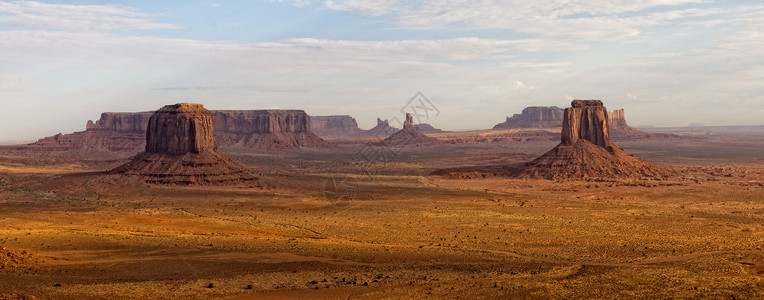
(31,14)
(561,19)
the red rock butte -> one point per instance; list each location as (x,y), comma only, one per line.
(585,149)
(181,150)
(408,136)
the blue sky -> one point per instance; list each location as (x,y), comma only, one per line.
(667,62)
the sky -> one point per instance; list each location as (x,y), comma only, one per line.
(666,62)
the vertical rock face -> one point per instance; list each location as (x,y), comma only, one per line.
(261,121)
(121,122)
(335,126)
(585,150)
(265,130)
(534,117)
(409,123)
(587,120)
(180,129)
(620,129)
(181,149)
(112,133)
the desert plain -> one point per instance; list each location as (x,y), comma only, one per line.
(317,224)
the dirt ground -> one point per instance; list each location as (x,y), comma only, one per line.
(334,224)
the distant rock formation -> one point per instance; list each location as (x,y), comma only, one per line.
(428,129)
(585,149)
(265,130)
(382,130)
(408,136)
(331,127)
(123,134)
(121,122)
(112,133)
(534,117)
(181,149)
(341,127)
(619,128)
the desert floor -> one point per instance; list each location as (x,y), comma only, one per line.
(319,224)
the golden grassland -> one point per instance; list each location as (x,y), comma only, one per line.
(86,234)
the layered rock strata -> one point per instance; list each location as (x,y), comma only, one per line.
(265,129)
(117,134)
(181,150)
(534,117)
(619,128)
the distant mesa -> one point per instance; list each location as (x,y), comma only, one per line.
(585,149)
(619,127)
(428,129)
(346,127)
(534,117)
(124,133)
(330,127)
(408,136)
(265,130)
(181,150)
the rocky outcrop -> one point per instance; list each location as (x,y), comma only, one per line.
(619,127)
(534,117)
(585,150)
(333,127)
(586,120)
(408,136)
(265,130)
(181,149)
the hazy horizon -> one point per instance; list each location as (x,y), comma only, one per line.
(666,62)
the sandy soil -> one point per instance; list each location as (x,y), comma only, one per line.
(318,225)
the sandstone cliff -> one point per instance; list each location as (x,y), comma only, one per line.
(585,150)
(534,117)
(265,130)
(121,122)
(181,149)
(112,133)
(331,127)
(619,128)
(123,134)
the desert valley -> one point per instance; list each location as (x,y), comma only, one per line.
(184,202)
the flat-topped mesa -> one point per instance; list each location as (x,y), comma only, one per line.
(534,117)
(121,122)
(265,130)
(261,121)
(181,149)
(179,129)
(587,120)
(343,126)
